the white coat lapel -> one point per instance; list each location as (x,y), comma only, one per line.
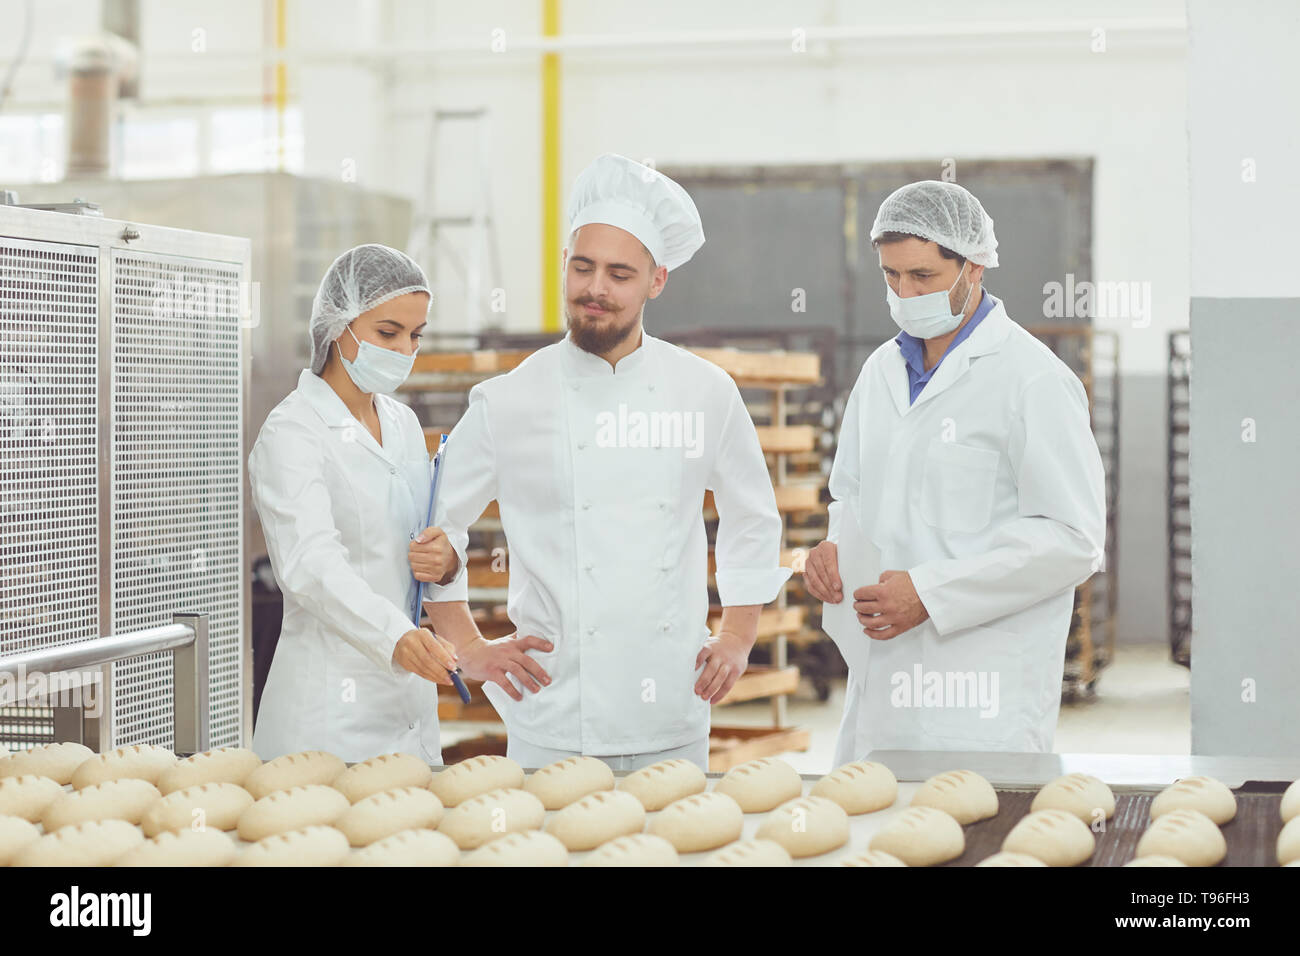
(327,404)
(987,337)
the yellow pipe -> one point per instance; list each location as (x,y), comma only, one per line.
(281,80)
(550,172)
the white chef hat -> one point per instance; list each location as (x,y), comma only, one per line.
(621,192)
(942,212)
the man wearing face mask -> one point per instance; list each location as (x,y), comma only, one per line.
(341,479)
(966,457)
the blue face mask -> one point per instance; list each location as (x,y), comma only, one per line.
(927,316)
(377,369)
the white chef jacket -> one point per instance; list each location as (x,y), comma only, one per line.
(989,491)
(608,553)
(339,512)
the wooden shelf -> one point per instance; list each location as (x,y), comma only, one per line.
(783,439)
(759,681)
(772,621)
(731,746)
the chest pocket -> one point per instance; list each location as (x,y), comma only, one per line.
(958,485)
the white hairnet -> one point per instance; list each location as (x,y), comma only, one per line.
(941,212)
(358,280)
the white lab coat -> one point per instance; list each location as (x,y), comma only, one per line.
(339,512)
(608,554)
(989,490)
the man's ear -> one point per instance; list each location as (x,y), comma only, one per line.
(658,282)
(976,272)
(564,259)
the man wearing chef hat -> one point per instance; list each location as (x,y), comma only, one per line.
(598,450)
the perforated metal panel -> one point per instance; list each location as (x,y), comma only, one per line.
(177,519)
(49,585)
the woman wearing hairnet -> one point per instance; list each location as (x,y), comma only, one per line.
(341,480)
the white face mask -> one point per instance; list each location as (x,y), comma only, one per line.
(377,369)
(926,316)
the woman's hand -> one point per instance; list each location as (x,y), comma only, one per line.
(486,660)
(432,557)
(422,652)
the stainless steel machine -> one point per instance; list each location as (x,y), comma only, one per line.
(123,396)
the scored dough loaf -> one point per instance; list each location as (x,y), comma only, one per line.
(1008,858)
(27,796)
(125,799)
(533,848)
(409,848)
(1290,802)
(16,834)
(807,826)
(962,794)
(1186,835)
(1078,793)
(221,806)
(227,765)
(636,849)
(1155,861)
(1288,843)
(1057,837)
(702,821)
(310,846)
(488,816)
(294,770)
(863,786)
(389,772)
(474,776)
(750,853)
(185,848)
(96,843)
(389,812)
(873,858)
(661,783)
(297,808)
(137,762)
(597,818)
(921,836)
(56,761)
(559,784)
(1211,797)
(761,785)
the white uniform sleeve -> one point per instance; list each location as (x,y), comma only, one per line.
(1058,540)
(467,485)
(748,548)
(285,470)
(846,478)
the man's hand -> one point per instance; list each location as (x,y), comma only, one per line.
(821,573)
(724,658)
(889,608)
(422,652)
(432,557)
(486,660)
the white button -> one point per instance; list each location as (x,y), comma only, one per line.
(587,568)
(392,471)
(581,445)
(652,388)
(591,630)
(410,726)
(575,386)
(665,626)
(411,536)
(586,506)
(663,505)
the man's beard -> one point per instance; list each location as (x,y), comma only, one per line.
(596,338)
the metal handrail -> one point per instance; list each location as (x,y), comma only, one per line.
(186,637)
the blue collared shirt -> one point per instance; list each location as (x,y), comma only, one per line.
(913,349)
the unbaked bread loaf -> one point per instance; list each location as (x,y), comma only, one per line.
(750,853)
(597,818)
(16,834)
(488,816)
(389,772)
(874,858)
(702,821)
(56,761)
(661,783)
(761,785)
(533,848)
(636,849)
(1288,843)
(97,843)
(125,799)
(559,784)
(409,848)
(184,848)
(475,776)
(862,786)
(1057,837)
(962,794)
(207,806)
(137,762)
(807,826)
(389,812)
(227,765)
(27,796)
(297,808)
(1186,835)
(301,769)
(1290,802)
(1008,858)
(1211,797)
(312,846)
(921,836)
(1078,793)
